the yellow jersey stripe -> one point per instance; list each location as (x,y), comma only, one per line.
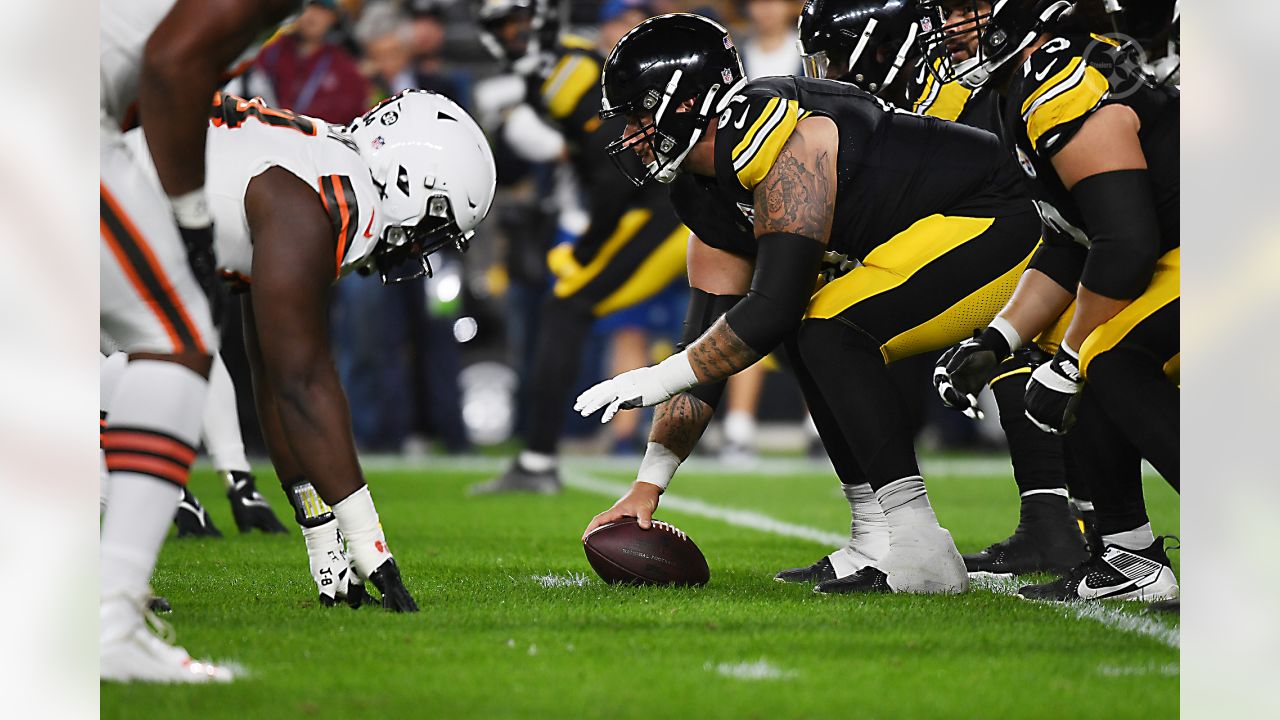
(949,102)
(571,78)
(758,158)
(1077,97)
(923,103)
(769,107)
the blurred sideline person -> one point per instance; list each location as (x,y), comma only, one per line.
(160,60)
(633,245)
(300,204)
(220,432)
(310,73)
(871,44)
(769,47)
(1097,139)
(916,245)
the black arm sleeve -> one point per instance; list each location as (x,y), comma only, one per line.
(704,310)
(786,270)
(1061,258)
(1119,211)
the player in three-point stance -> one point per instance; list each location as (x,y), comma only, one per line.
(780,179)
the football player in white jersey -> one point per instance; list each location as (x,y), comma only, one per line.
(160,60)
(297,204)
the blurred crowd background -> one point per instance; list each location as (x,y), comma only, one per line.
(439,366)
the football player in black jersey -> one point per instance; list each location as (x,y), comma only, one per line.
(921,226)
(633,247)
(871,44)
(1098,141)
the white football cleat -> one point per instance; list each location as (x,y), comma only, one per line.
(136,654)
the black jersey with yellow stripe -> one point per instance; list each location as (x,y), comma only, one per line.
(567,95)
(1055,92)
(893,167)
(952,101)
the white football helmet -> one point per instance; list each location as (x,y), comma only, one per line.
(435,174)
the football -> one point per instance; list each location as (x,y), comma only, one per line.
(621,552)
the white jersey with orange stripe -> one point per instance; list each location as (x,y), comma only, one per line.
(246,138)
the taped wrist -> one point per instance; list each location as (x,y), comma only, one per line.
(704,310)
(1119,210)
(786,269)
(308,509)
(658,466)
(191,210)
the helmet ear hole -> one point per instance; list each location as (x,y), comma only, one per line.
(402,180)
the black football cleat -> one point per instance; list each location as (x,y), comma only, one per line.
(395,597)
(866,580)
(159,605)
(1113,574)
(519,480)
(358,597)
(1044,548)
(248,507)
(818,572)
(192,519)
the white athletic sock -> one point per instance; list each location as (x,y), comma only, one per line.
(1138,538)
(150,436)
(358,521)
(868,532)
(536,462)
(905,503)
(221,431)
(740,428)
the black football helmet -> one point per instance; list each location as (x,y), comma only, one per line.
(864,42)
(653,72)
(1003,32)
(518,32)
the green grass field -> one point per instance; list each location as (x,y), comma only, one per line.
(514,623)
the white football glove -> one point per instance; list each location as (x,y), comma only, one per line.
(643,387)
(334,577)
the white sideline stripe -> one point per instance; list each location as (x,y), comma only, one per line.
(1111,617)
(766,467)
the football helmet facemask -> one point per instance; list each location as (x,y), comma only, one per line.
(669,76)
(435,173)
(1003,32)
(864,42)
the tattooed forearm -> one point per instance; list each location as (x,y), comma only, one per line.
(799,193)
(720,353)
(678,423)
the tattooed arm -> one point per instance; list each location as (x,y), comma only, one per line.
(794,205)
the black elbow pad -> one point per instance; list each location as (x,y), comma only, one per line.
(1119,210)
(785,274)
(704,310)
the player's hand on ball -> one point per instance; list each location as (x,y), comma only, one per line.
(1053,392)
(643,387)
(639,502)
(961,373)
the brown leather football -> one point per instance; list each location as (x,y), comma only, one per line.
(621,552)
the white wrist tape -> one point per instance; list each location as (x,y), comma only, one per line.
(658,466)
(191,210)
(675,374)
(1005,328)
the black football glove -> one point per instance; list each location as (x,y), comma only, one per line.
(962,371)
(204,266)
(248,507)
(1053,392)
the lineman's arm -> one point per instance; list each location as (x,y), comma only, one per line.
(183,64)
(718,279)
(264,396)
(293,270)
(1104,168)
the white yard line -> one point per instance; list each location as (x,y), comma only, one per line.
(1107,615)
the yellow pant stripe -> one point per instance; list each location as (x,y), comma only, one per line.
(894,262)
(1164,289)
(659,269)
(958,321)
(628,225)
(1051,339)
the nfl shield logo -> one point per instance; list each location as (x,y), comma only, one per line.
(378,142)
(726,75)
(926,24)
